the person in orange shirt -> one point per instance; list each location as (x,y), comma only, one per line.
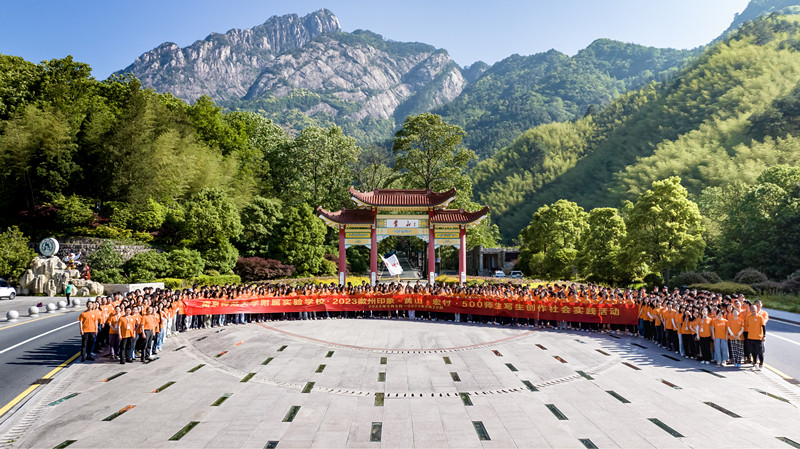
(704,337)
(736,337)
(149,323)
(127,330)
(113,331)
(720,333)
(754,325)
(89,321)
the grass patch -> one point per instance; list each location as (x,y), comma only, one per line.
(785,302)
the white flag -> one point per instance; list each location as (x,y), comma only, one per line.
(393,265)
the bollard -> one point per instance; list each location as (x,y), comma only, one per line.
(62,305)
(76,303)
(12,315)
(51,308)
(33,311)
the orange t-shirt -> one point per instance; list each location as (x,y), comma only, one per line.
(754,326)
(88,320)
(127,327)
(149,322)
(720,328)
(113,322)
(735,325)
(705,327)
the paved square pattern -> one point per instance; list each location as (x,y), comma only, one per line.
(390,383)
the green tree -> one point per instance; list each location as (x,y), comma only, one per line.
(146,266)
(600,249)
(15,255)
(260,220)
(37,151)
(762,229)
(552,238)
(185,263)
(315,168)
(106,264)
(74,211)
(665,229)
(302,240)
(430,154)
(210,215)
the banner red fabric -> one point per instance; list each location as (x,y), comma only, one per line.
(475,305)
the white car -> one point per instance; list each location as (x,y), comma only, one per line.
(6,290)
(498,274)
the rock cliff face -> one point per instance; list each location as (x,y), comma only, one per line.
(225,65)
(291,65)
(363,76)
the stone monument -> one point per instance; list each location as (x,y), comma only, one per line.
(48,275)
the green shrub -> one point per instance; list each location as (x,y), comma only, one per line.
(726,288)
(689,278)
(149,217)
(221,257)
(185,263)
(112,232)
(173,283)
(146,266)
(109,276)
(105,258)
(15,256)
(215,280)
(750,276)
(74,211)
(653,280)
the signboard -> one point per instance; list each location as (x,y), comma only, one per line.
(357,237)
(447,237)
(416,225)
(48,247)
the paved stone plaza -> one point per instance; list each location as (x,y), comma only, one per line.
(390,383)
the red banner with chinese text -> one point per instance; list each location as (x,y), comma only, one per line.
(476,305)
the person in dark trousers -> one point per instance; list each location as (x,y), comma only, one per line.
(68,291)
(127,329)
(89,320)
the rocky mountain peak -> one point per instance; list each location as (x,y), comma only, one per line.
(225,65)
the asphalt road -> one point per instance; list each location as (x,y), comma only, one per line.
(782,347)
(37,355)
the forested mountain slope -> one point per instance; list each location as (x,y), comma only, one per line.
(521,92)
(698,125)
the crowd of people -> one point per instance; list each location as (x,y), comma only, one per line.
(709,327)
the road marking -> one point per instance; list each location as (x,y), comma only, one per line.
(771,335)
(38,336)
(30,389)
(777,371)
(29,321)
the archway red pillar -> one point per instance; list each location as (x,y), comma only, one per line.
(431,249)
(342,256)
(373,250)
(462,254)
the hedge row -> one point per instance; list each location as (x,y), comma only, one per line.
(203,279)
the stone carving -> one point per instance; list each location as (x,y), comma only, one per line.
(49,276)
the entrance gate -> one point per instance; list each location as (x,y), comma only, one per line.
(386,212)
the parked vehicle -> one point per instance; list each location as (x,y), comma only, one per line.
(6,290)
(515,274)
(498,274)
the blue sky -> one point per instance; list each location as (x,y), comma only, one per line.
(110,34)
